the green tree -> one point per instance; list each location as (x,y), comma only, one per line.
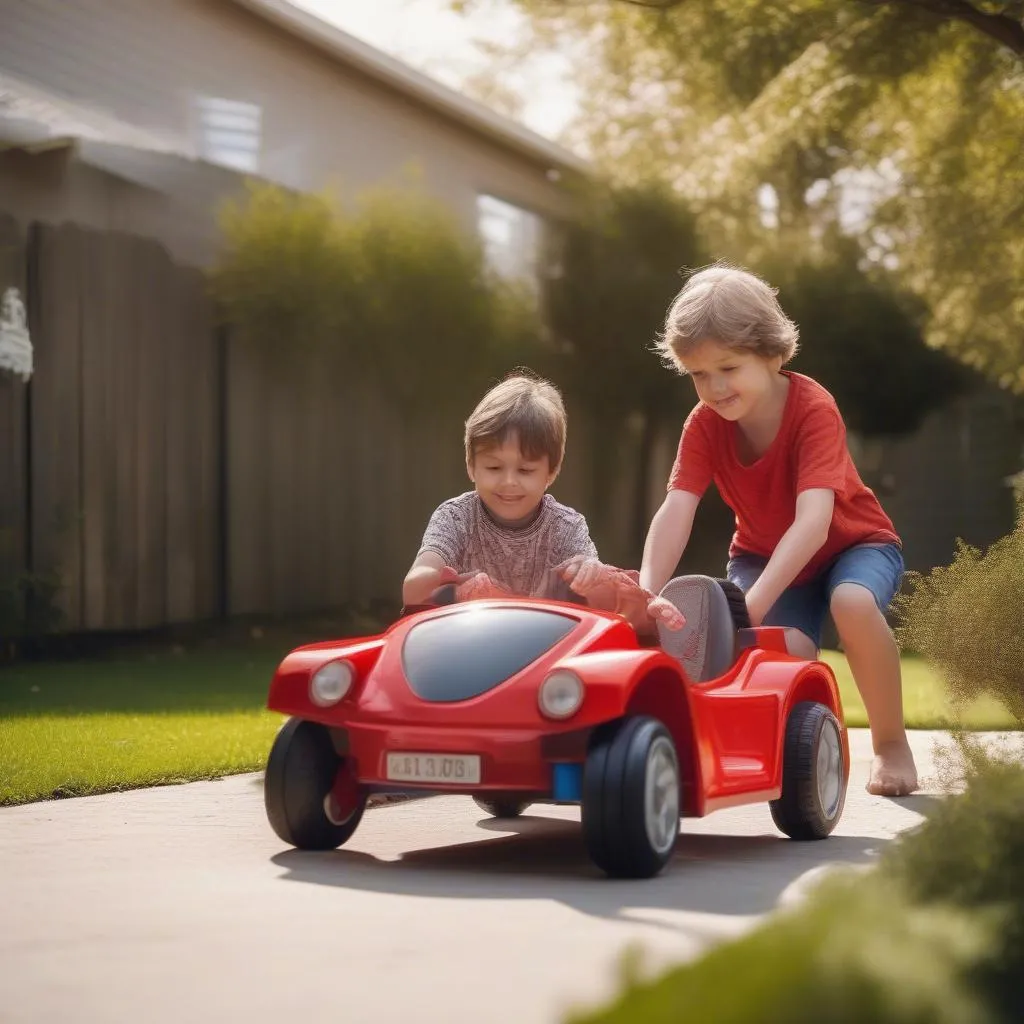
(901,120)
(391,289)
(614,271)
(861,338)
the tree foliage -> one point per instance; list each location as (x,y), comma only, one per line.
(392,290)
(901,121)
(861,338)
(616,266)
(614,269)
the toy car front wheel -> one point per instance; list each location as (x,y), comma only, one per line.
(631,797)
(312,798)
(814,774)
(501,807)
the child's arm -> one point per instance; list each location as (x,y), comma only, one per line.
(798,544)
(667,538)
(423,578)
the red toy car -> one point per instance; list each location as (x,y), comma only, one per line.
(523,701)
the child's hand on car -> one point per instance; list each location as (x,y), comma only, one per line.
(662,610)
(586,576)
(609,587)
(473,585)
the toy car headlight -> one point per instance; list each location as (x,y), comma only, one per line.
(330,683)
(561,694)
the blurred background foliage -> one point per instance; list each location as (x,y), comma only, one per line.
(900,122)
(968,620)
(391,290)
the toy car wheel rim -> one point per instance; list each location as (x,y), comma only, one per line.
(830,769)
(342,799)
(336,815)
(661,795)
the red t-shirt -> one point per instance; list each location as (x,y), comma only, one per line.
(809,451)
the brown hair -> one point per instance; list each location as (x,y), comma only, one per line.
(731,306)
(524,406)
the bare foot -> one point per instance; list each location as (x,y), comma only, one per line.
(893,772)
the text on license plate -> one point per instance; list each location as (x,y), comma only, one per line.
(450,768)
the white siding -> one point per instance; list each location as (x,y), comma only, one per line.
(146,61)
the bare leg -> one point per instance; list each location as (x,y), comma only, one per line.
(800,645)
(875,663)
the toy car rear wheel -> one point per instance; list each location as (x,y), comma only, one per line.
(502,807)
(631,797)
(814,776)
(312,799)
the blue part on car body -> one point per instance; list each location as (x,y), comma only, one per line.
(567,782)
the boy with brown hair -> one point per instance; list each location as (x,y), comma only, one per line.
(810,537)
(508,536)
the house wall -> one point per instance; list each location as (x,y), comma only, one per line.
(54,187)
(323,123)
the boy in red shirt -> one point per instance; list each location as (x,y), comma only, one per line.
(810,537)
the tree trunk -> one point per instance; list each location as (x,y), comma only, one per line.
(641,512)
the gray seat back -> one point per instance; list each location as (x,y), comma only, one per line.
(706,645)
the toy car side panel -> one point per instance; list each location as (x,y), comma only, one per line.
(745,718)
(649,682)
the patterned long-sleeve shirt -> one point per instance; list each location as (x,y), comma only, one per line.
(520,559)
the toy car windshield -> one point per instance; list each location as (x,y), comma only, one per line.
(472,650)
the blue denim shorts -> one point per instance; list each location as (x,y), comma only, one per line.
(878,567)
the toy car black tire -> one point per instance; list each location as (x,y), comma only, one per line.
(629,825)
(501,808)
(813,774)
(300,773)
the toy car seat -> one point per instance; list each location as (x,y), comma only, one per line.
(714,610)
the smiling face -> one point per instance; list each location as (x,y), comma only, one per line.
(509,484)
(734,382)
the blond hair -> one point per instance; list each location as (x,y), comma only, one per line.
(732,307)
(523,406)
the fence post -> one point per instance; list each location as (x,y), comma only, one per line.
(15,477)
(222,543)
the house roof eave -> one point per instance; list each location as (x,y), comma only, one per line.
(400,76)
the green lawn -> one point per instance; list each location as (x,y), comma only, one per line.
(924,700)
(91,726)
(163,715)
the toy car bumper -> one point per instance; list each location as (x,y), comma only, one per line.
(456,760)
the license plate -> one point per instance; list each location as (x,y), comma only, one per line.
(454,769)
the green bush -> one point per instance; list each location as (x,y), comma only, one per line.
(283,278)
(28,609)
(858,951)
(968,854)
(393,290)
(967,619)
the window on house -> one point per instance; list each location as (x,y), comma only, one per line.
(511,238)
(228,132)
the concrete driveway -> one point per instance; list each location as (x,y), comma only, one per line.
(180,904)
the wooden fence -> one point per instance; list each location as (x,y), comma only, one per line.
(167,476)
(115,488)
